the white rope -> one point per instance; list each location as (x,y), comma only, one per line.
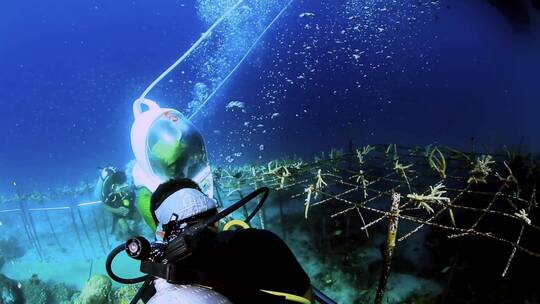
(242,59)
(53,208)
(90,203)
(48,209)
(9,210)
(190,50)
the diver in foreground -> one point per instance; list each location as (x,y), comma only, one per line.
(190,262)
(236,266)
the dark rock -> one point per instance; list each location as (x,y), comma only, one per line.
(11,249)
(35,291)
(9,291)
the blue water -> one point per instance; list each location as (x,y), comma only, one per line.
(434,71)
(325,74)
(71,72)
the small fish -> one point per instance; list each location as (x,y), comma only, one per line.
(274,115)
(306,14)
(235,104)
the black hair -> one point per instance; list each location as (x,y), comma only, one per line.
(165,190)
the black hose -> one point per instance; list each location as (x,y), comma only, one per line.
(240,203)
(252,195)
(140,293)
(108,267)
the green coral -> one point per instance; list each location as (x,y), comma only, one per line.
(434,196)
(124,294)
(436,161)
(60,293)
(35,291)
(481,169)
(96,291)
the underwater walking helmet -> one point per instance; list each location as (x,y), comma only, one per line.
(166,145)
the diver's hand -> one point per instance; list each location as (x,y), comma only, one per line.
(123,211)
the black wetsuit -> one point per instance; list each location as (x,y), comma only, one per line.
(115,199)
(239,263)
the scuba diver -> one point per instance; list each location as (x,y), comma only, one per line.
(194,263)
(237,263)
(118,198)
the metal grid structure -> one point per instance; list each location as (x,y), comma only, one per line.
(60,227)
(437,187)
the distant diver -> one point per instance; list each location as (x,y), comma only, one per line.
(118,198)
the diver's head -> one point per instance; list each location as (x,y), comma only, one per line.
(179,203)
(107,172)
(166,145)
(112,185)
(174,148)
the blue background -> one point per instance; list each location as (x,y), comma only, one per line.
(70,71)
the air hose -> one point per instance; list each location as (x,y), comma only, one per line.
(108,268)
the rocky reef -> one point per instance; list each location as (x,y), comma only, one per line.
(124,294)
(34,290)
(97,290)
(9,291)
(10,249)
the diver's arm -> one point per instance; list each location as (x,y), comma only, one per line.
(118,211)
(144,206)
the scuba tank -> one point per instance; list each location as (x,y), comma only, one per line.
(185,294)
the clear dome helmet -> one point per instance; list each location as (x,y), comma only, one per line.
(166,145)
